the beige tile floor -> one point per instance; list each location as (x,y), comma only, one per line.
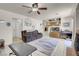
(17,40)
(5,51)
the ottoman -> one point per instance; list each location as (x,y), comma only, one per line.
(22,49)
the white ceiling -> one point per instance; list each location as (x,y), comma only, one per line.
(53,9)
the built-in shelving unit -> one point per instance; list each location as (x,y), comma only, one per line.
(59,28)
(53,27)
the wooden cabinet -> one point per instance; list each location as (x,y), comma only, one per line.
(54,34)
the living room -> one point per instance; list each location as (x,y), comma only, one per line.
(17,17)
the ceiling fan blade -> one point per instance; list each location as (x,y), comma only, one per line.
(38,12)
(30,11)
(42,8)
(26,6)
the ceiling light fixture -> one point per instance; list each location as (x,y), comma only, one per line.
(34,9)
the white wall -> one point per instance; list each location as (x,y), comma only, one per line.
(67,20)
(16,20)
(6,33)
(35,25)
(77,17)
(74,24)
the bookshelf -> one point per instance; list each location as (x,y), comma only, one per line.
(53,27)
(59,28)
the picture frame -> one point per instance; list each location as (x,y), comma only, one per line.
(66,24)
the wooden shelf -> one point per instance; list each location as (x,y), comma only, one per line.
(51,24)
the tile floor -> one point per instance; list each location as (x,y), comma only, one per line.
(5,51)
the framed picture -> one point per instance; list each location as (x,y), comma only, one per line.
(66,24)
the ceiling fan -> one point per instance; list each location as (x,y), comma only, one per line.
(35,8)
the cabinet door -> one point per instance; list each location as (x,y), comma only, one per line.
(54,34)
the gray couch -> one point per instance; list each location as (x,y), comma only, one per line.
(30,36)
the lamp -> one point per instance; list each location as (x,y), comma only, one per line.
(34,9)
